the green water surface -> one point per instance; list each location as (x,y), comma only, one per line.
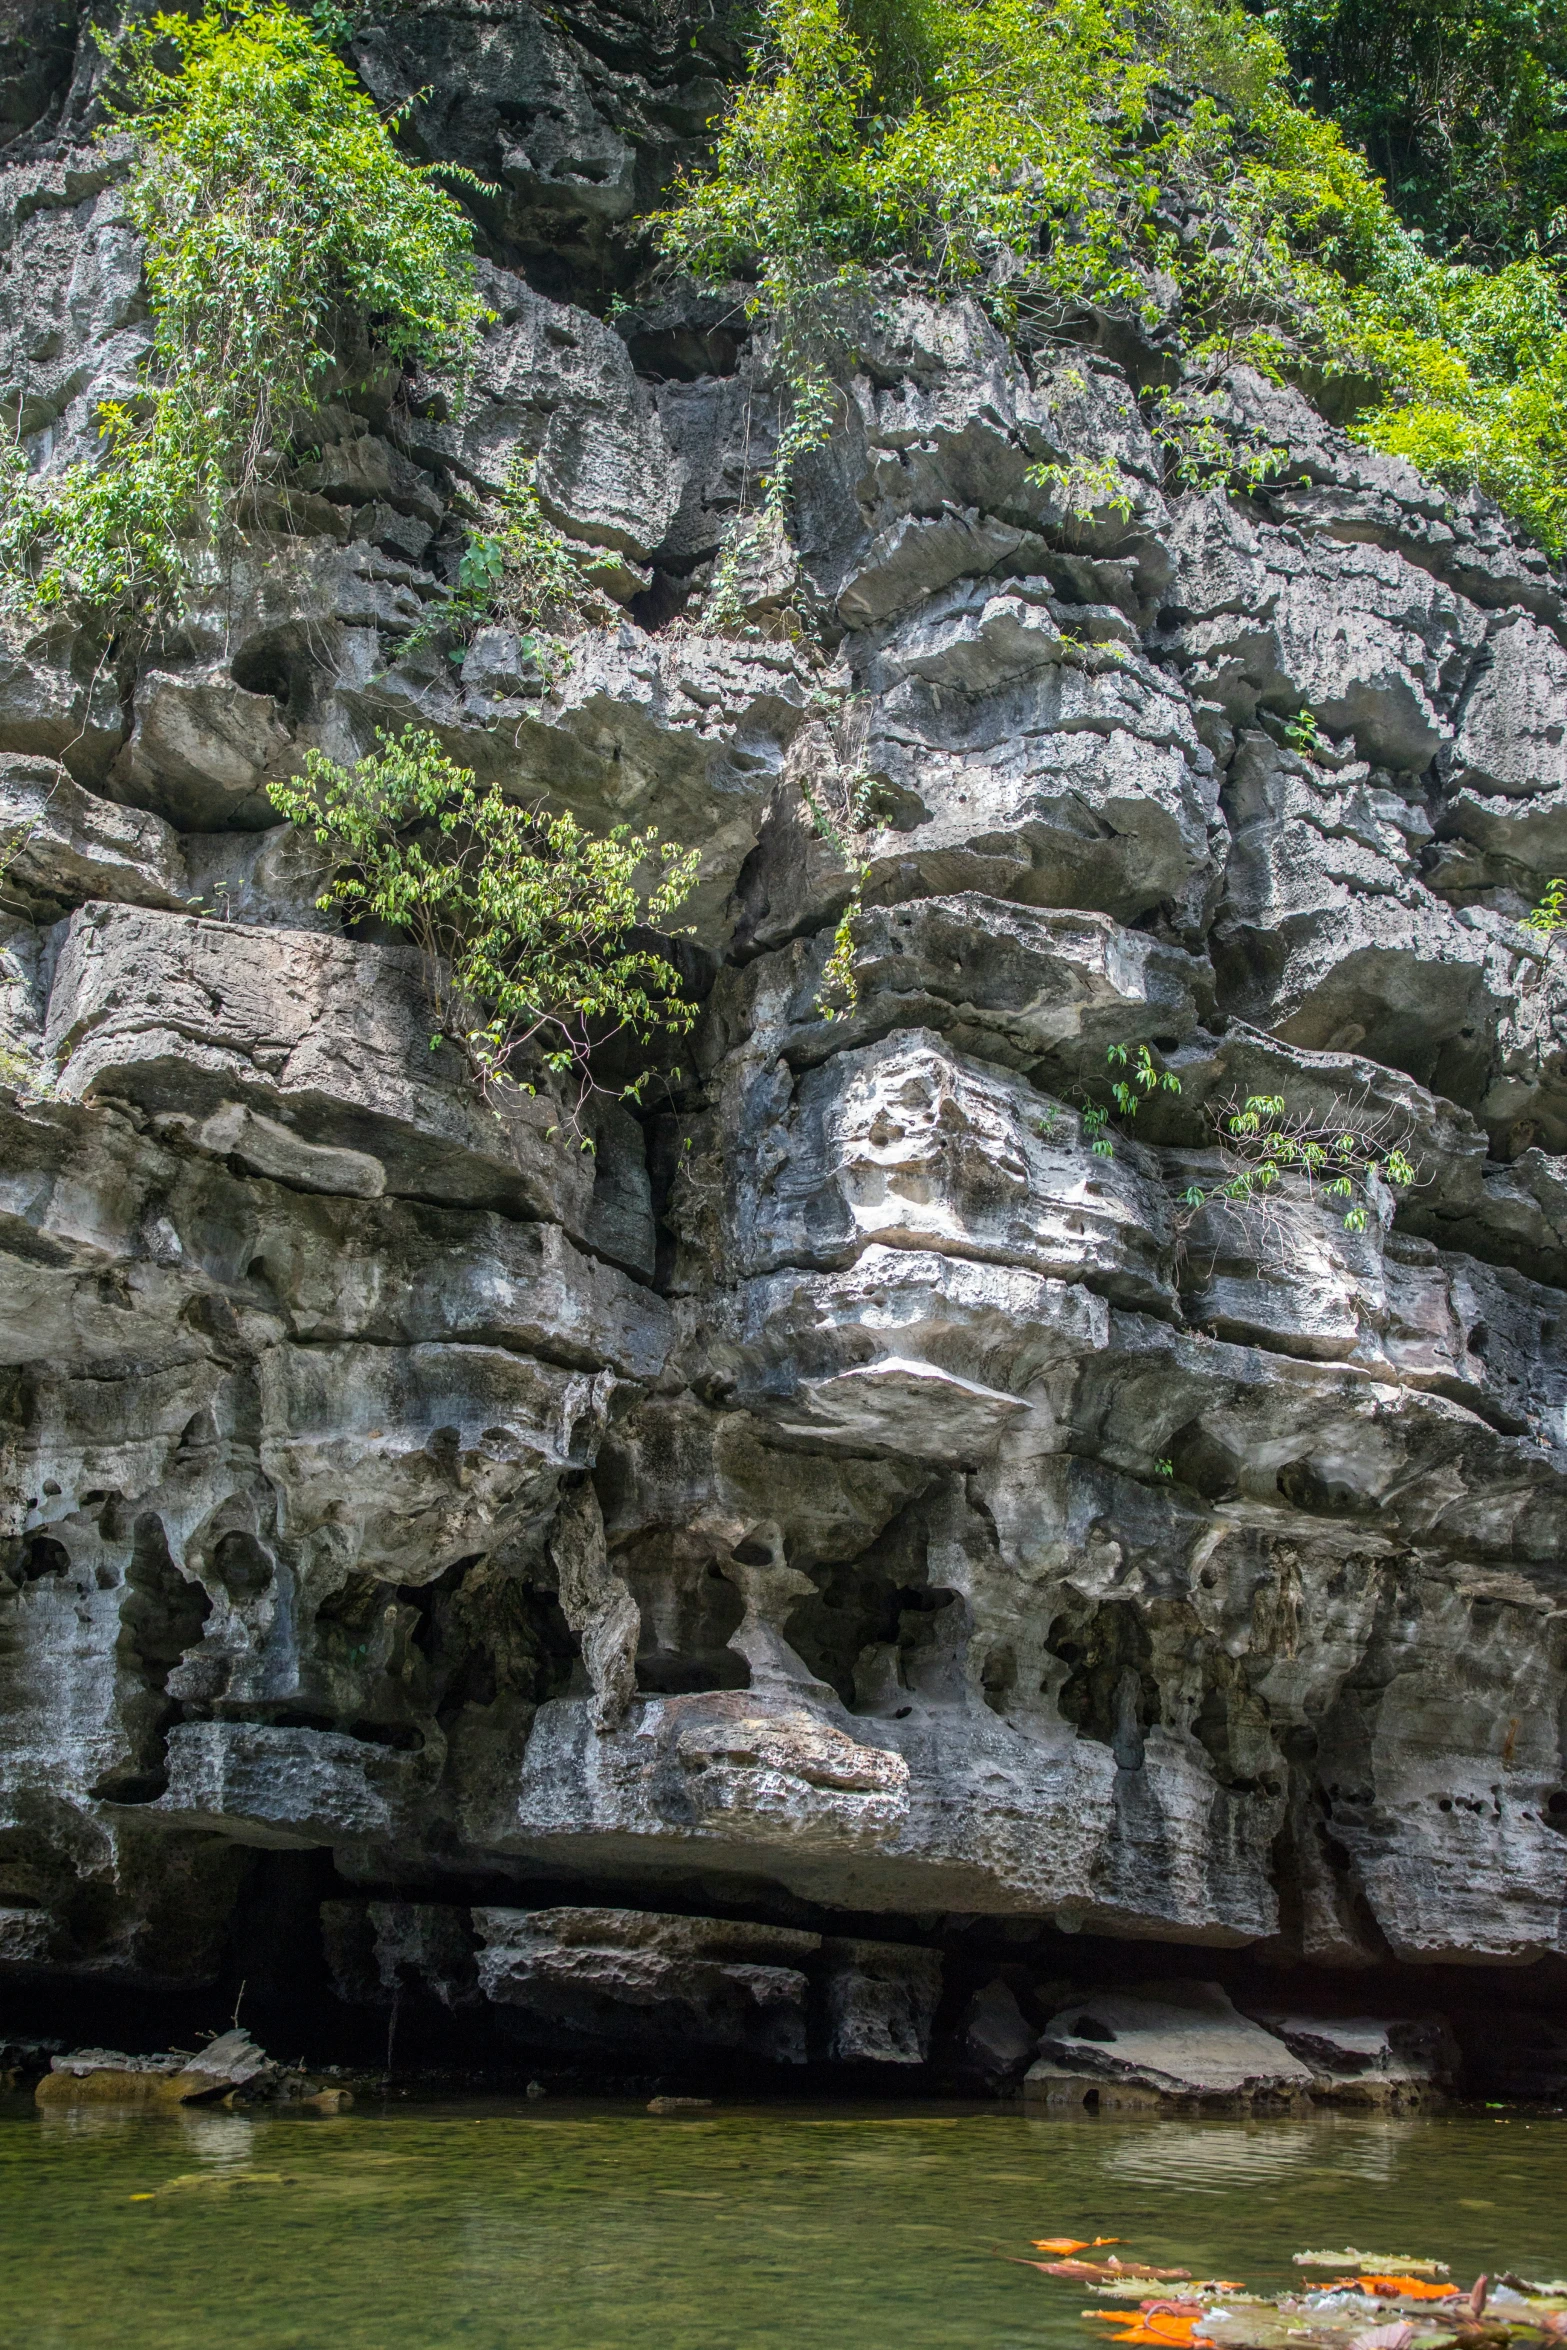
(600,2227)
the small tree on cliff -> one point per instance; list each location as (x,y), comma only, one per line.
(527,924)
(282,228)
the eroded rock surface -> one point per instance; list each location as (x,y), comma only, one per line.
(848,1509)
(1175,2042)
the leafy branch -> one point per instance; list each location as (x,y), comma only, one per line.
(1342,1158)
(527,925)
(1203,456)
(1550,915)
(1128,1093)
(1085,486)
(859,792)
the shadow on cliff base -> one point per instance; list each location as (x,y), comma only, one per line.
(277,1979)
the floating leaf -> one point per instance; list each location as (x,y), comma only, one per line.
(1400,2263)
(1160,2325)
(1112,2271)
(1397,2288)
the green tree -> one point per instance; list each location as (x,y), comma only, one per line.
(283,230)
(1461,105)
(1025,149)
(529,927)
(1051,154)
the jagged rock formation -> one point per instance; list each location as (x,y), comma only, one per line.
(845,1497)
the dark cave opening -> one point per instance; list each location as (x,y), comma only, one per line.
(276,1978)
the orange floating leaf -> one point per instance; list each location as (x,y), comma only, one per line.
(1403,2289)
(1065,2243)
(1160,2326)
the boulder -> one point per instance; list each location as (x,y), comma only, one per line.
(1389,2064)
(881,2001)
(1166,2044)
(331,1040)
(997,2041)
(645,1981)
(61,845)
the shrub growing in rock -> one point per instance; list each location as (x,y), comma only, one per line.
(1053,157)
(532,930)
(1343,1157)
(282,228)
(518,570)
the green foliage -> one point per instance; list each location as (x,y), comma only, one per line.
(1303,734)
(1474,366)
(1085,486)
(1461,105)
(105,536)
(280,223)
(1145,1072)
(525,922)
(811,409)
(1024,152)
(1550,915)
(1028,149)
(839,991)
(518,570)
(1144,1076)
(1203,454)
(1341,1157)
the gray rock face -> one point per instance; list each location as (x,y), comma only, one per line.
(1176,2043)
(868,1485)
(1367,2060)
(651,1981)
(881,2002)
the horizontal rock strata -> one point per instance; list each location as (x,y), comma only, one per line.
(674,1591)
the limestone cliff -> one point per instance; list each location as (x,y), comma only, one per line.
(847,1520)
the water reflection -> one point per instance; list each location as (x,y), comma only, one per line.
(481,2227)
(203,2135)
(1214,2158)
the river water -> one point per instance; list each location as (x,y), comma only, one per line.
(555,2226)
